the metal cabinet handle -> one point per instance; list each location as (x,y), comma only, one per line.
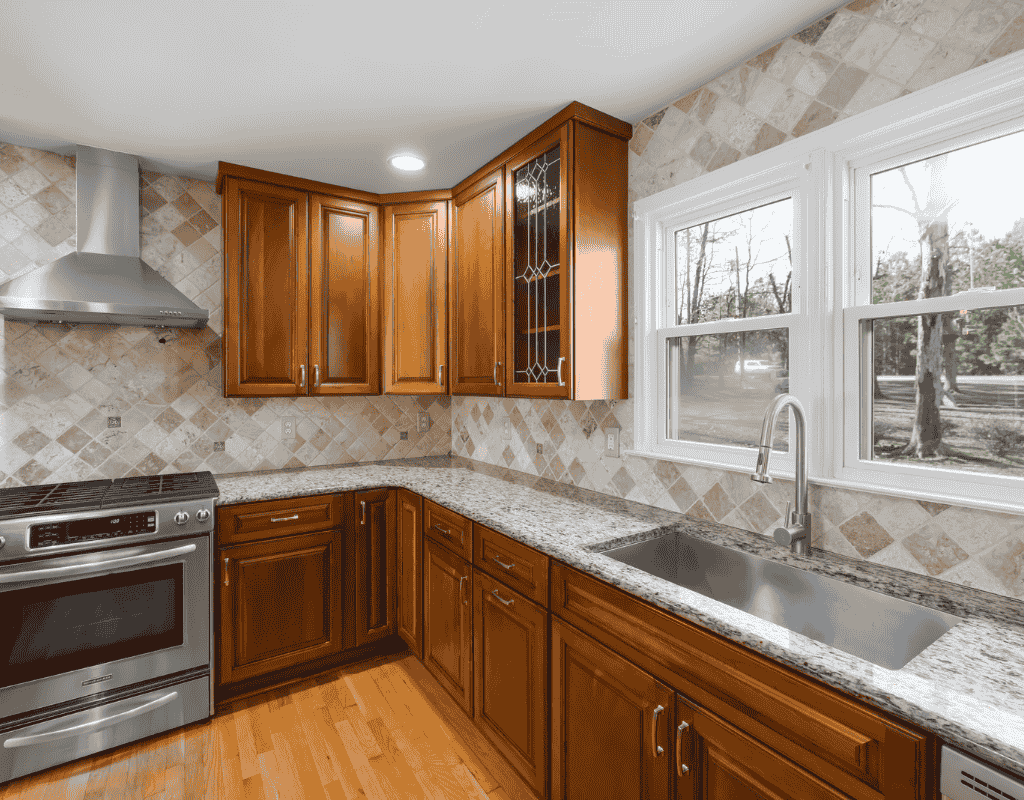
(362,505)
(461,593)
(560,362)
(447,532)
(284,519)
(496,381)
(502,599)
(655,747)
(501,563)
(440,374)
(681,768)
(316,375)
(227,570)
(302,376)
(89,727)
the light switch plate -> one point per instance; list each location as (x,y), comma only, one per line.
(611,442)
(506,429)
(287,429)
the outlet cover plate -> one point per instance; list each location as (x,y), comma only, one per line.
(287,429)
(423,422)
(506,429)
(611,442)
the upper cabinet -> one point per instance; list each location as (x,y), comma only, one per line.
(566,246)
(265,289)
(337,291)
(301,290)
(415,285)
(476,288)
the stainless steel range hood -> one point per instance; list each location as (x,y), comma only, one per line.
(105,280)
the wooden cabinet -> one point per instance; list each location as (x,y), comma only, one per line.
(374,556)
(476,288)
(344,289)
(281,603)
(265,289)
(448,621)
(566,255)
(415,285)
(301,290)
(513,563)
(609,724)
(409,532)
(453,530)
(510,640)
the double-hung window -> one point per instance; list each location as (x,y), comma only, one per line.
(874,269)
(727,317)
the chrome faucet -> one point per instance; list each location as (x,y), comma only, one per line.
(797,533)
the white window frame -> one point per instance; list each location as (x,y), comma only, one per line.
(783,173)
(830,167)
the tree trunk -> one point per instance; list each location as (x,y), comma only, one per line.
(926,438)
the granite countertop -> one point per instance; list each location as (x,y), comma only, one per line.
(968,687)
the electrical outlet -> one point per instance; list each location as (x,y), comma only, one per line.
(423,422)
(540,449)
(218,447)
(506,429)
(113,422)
(403,435)
(611,442)
(287,429)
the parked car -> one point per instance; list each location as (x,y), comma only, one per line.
(752,365)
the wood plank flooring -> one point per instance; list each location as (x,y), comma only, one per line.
(381,730)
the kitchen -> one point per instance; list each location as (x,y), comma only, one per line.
(163,390)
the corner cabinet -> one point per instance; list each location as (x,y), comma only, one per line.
(301,291)
(566,274)
(374,558)
(415,285)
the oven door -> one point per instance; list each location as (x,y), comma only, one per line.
(78,625)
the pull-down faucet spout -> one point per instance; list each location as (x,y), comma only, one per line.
(797,532)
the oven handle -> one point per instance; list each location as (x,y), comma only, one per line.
(89,727)
(75,569)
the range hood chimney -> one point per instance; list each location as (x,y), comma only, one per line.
(104,281)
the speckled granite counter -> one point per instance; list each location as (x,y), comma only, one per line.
(968,687)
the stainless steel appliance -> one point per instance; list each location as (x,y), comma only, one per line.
(966,778)
(105,631)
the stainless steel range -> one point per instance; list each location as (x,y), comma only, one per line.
(105,615)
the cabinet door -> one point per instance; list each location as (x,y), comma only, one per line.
(476,286)
(510,636)
(448,621)
(265,297)
(415,285)
(539,281)
(716,761)
(410,570)
(281,603)
(344,325)
(609,723)
(374,565)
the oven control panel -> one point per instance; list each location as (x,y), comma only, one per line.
(50,534)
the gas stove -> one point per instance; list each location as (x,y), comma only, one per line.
(62,517)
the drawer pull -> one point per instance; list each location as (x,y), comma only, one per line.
(362,505)
(502,599)
(655,747)
(501,563)
(461,593)
(284,519)
(447,532)
(681,768)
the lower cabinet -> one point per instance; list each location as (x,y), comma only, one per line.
(281,603)
(510,644)
(373,565)
(609,724)
(409,533)
(448,621)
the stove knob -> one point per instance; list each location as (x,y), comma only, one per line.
(181,517)
(202,515)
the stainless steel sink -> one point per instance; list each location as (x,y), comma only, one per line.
(881,629)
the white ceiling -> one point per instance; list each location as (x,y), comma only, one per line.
(329,90)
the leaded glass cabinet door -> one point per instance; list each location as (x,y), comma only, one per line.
(540,321)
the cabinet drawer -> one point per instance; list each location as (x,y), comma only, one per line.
(265,520)
(852,746)
(514,564)
(450,529)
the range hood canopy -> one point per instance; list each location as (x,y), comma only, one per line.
(104,281)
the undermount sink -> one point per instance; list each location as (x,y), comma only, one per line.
(883,630)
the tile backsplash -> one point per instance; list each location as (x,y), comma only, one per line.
(858,57)
(61,383)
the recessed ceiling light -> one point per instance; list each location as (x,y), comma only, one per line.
(407,163)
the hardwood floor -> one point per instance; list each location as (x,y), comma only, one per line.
(383,729)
